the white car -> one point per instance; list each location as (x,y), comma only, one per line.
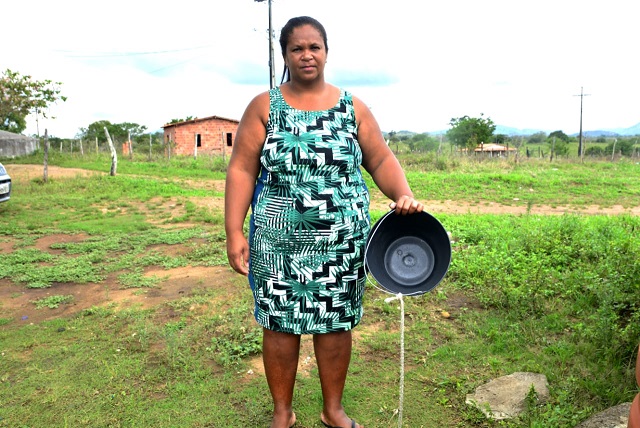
(5,184)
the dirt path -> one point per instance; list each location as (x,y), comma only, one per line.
(378,201)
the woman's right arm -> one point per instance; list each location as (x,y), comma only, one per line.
(243,169)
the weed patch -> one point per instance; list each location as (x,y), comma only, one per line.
(52,302)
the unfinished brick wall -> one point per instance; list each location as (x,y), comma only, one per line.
(216,134)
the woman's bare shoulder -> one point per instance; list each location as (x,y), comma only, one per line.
(362,111)
(260,100)
(258,107)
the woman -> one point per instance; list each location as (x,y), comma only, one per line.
(296,162)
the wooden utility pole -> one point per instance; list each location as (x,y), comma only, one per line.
(580,144)
(272,74)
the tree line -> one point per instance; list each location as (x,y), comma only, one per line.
(22,95)
(467,133)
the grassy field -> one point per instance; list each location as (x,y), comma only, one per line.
(117,308)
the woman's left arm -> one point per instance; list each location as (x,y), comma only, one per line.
(381,163)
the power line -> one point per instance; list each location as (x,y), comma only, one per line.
(126,54)
(171,66)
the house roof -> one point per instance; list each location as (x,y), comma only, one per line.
(10,136)
(491,147)
(169,125)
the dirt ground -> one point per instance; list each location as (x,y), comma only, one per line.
(16,300)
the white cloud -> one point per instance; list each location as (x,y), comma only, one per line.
(416,64)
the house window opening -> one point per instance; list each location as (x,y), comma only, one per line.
(198,140)
(229,139)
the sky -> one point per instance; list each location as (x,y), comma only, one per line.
(416,63)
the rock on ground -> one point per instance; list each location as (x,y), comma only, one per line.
(505,397)
(613,417)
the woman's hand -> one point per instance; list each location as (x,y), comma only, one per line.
(238,253)
(406,205)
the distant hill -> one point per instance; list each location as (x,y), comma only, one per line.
(506,130)
(626,132)
(510,131)
(598,133)
(622,132)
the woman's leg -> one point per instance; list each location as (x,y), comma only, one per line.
(280,352)
(333,354)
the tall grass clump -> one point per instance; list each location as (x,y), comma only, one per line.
(585,268)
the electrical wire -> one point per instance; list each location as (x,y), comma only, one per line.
(127,54)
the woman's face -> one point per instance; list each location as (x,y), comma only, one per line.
(306,54)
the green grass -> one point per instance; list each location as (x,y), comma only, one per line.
(529,182)
(52,302)
(556,295)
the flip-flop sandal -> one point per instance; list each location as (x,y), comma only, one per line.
(353,424)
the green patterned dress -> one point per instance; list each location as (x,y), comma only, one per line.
(309,221)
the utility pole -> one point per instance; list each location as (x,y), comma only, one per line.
(580,144)
(272,74)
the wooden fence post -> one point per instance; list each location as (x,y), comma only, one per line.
(130,145)
(114,155)
(45,176)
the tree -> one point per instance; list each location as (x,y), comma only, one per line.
(21,96)
(594,151)
(132,129)
(422,143)
(560,135)
(622,146)
(501,139)
(537,138)
(95,131)
(393,139)
(117,131)
(559,148)
(188,118)
(468,132)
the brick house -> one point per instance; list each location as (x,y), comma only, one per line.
(209,135)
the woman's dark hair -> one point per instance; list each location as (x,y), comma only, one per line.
(286,32)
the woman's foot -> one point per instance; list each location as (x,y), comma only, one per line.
(283,421)
(341,421)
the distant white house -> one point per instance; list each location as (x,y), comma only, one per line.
(14,145)
(492,149)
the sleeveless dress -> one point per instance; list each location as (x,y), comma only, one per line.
(309,221)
